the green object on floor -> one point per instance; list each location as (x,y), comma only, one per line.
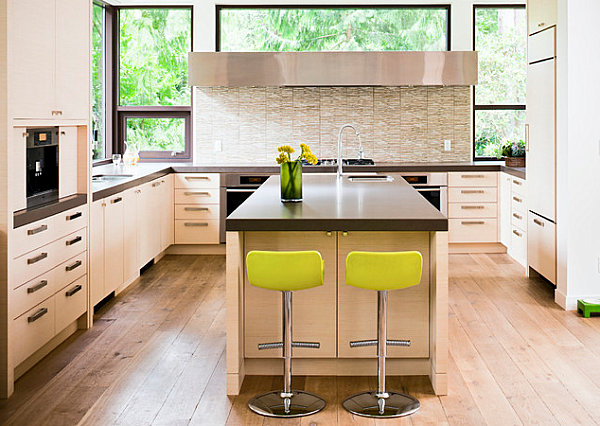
(586,307)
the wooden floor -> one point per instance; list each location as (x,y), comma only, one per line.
(156,356)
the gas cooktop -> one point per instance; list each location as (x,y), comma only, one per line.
(345,162)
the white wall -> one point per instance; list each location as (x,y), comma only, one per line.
(578,152)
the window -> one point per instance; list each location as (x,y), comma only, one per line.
(154,101)
(317,28)
(98,82)
(500,37)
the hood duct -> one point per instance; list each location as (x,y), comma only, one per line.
(238,69)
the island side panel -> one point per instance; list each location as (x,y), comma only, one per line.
(439,312)
(234,299)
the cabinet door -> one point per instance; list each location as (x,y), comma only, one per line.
(67,161)
(113,243)
(73,59)
(313,310)
(97,252)
(541,14)
(541,246)
(505,209)
(148,235)
(408,309)
(31,29)
(131,265)
(167,219)
(541,156)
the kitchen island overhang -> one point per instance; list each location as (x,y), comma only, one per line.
(336,217)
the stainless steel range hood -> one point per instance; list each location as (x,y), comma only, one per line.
(332,68)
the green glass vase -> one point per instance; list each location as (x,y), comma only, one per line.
(291,182)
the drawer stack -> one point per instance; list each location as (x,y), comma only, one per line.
(48,279)
(518,221)
(472,207)
(197,208)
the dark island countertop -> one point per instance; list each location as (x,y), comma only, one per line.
(332,205)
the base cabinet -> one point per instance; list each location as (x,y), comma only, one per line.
(541,246)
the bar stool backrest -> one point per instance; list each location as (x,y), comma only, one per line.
(383,270)
(285,270)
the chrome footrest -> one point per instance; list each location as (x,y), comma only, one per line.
(363,343)
(277,345)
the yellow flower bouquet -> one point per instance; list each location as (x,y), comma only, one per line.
(291,171)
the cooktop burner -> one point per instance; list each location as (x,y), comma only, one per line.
(345,162)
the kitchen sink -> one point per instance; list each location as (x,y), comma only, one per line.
(370,178)
(103,178)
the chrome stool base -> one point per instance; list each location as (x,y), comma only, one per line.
(367,404)
(300,404)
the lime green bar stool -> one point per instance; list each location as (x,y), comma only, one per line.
(382,272)
(286,271)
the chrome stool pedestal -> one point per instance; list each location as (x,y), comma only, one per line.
(287,402)
(381,403)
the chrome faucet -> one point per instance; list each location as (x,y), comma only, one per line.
(339,148)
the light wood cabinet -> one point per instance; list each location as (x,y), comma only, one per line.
(96,252)
(167,231)
(541,246)
(49,59)
(131,264)
(67,161)
(505,209)
(113,243)
(541,14)
(148,226)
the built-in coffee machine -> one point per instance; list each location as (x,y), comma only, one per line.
(42,166)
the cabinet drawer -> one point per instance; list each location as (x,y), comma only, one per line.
(472,195)
(33,292)
(472,230)
(197,196)
(71,303)
(472,179)
(518,186)
(196,232)
(32,236)
(517,202)
(32,330)
(518,219)
(197,211)
(518,245)
(541,246)
(33,264)
(71,245)
(197,180)
(71,269)
(71,220)
(468,210)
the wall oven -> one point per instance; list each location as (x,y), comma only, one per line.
(235,189)
(432,186)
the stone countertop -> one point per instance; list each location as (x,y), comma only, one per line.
(330,204)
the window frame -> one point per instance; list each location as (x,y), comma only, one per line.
(116,115)
(490,107)
(220,7)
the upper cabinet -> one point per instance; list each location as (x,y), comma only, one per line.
(541,14)
(50,65)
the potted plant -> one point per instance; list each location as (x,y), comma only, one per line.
(513,153)
(291,171)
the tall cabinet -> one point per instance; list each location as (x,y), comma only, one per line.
(541,141)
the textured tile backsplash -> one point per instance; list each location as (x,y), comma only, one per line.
(396,123)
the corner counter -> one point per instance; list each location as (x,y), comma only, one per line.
(335,218)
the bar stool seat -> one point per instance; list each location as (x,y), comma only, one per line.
(382,272)
(286,271)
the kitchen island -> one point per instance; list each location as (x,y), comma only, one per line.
(338,216)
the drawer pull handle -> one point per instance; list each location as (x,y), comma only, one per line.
(37,230)
(74,216)
(74,290)
(195,209)
(206,194)
(472,176)
(38,286)
(538,222)
(518,200)
(37,258)
(517,233)
(195,224)
(155,184)
(197,178)
(516,182)
(472,191)
(541,24)
(472,207)
(75,265)
(73,241)
(472,222)
(518,216)
(37,315)
(116,200)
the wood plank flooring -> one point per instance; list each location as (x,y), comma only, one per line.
(156,356)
